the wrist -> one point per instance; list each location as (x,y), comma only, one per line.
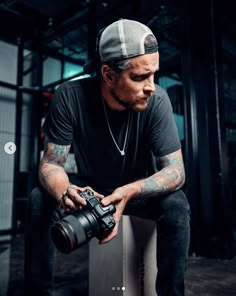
(131,190)
(61,192)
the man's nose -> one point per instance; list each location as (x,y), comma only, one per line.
(149,85)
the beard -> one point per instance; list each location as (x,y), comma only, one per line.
(128,105)
(119,101)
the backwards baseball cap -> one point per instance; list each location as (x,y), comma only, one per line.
(121,40)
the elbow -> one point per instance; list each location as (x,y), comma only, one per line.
(181,181)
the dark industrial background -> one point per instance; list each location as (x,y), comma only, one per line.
(44,43)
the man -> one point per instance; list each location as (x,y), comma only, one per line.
(120,124)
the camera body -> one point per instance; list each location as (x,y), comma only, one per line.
(78,228)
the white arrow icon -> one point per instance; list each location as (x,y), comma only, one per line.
(10,148)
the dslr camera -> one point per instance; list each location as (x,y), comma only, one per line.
(78,228)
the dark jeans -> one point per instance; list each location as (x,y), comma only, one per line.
(171,213)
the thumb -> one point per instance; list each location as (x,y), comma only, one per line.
(115,197)
(106,200)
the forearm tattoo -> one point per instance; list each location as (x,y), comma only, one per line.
(45,176)
(170,177)
(55,154)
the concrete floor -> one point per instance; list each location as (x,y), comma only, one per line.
(205,276)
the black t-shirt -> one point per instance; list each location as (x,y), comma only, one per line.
(77,117)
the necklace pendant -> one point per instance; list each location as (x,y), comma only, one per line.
(122,152)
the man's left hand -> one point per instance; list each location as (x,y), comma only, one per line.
(118,199)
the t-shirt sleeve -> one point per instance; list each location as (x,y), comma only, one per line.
(58,124)
(164,136)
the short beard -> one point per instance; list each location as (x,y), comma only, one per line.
(126,105)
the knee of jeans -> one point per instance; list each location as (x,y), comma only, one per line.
(176,210)
(41,204)
(35,201)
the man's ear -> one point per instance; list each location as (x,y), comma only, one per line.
(107,74)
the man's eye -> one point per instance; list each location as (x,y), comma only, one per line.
(139,78)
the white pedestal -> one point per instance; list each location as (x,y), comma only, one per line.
(127,264)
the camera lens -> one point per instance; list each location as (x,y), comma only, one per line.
(61,237)
(76,229)
(73,231)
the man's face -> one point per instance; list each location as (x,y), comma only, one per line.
(134,86)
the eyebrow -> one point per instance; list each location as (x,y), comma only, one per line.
(145,73)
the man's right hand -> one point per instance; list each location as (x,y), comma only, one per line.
(71,199)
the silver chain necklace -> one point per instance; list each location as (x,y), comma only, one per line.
(122,152)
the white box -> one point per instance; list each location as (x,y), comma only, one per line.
(126,265)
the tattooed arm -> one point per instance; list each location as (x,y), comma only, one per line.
(52,175)
(54,179)
(171,177)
